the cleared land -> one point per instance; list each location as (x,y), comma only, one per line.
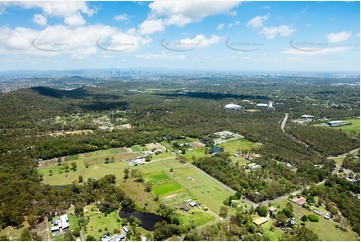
(236,146)
(325,229)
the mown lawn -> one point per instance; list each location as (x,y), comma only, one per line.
(353,125)
(198,218)
(236,146)
(167,188)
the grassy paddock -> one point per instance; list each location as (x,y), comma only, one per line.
(325,229)
(99,224)
(236,146)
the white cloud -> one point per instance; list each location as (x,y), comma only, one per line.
(323,51)
(338,37)
(121,17)
(220,26)
(75,20)
(40,20)
(71,11)
(61,40)
(200,40)
(230,25)
(161,56)
(237,22)
(273,32)
(180,13)
(151,26)
(257,22)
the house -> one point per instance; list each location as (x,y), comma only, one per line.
(260,221)
(254,166)
(55,228)
(300,201)
(188,200)
(192,204)
(64,221)
(335,123)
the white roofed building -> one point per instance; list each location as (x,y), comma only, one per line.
(232,106)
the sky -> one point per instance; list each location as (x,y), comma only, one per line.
(194,35)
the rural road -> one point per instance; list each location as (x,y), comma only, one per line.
(283,124)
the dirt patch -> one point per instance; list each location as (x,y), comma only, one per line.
(43,230)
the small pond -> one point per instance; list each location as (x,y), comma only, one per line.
(148,219)
(216,149)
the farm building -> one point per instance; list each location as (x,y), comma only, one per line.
(272,210)
(232,106)
(300,201)
(260,221)
(192,204)
(335,123)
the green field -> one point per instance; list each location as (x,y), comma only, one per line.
(197,153)
(12,233)
(325,229)
(195,185)
(156,177)
(99,223)
(167,188)
(138,148)
(352,126)
(198,218)
(275,234)
(236,146)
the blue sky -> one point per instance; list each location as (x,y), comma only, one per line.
(201,35)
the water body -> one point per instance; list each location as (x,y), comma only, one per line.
(148,219)
(216,149)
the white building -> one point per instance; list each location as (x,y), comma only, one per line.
(232,106)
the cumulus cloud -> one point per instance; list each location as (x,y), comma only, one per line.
(273,32)
(338,37)
(257,22)
(76,42)
(180,13)
(71,11)
(200,40)
(151,26)
(40,20)
(121,17)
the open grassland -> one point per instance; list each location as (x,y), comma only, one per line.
(99,223)
(196,153)
(196,217)
(353,125)
(275,234)
(325,229)
(236,146)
